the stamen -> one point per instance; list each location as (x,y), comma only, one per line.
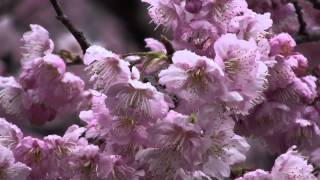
(232,66)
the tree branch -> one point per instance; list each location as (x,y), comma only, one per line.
(169,47)
(167,44)
(303,35)
(302,23)
(65,21)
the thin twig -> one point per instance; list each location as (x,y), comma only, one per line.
(135,54)
(65,21)
(167,44)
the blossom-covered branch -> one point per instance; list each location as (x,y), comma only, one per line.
(180,111)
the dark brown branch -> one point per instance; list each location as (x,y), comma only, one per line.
(65,21)
(136,54)
(303,35)
(302,23)
(167,44)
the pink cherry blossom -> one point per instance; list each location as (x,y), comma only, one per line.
(192,77)
(10,169)
(105,68)
(282,44)
(165,12)
(36,43)
(34,153)
(155,45)
(250,25)
(10,134)
(98,118)
(292,165)
(259,174)
(137,99)
(42,70)
(243,68)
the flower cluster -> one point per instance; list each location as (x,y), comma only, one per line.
(290,111)
(179,111)
(290,165)
(44,89)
